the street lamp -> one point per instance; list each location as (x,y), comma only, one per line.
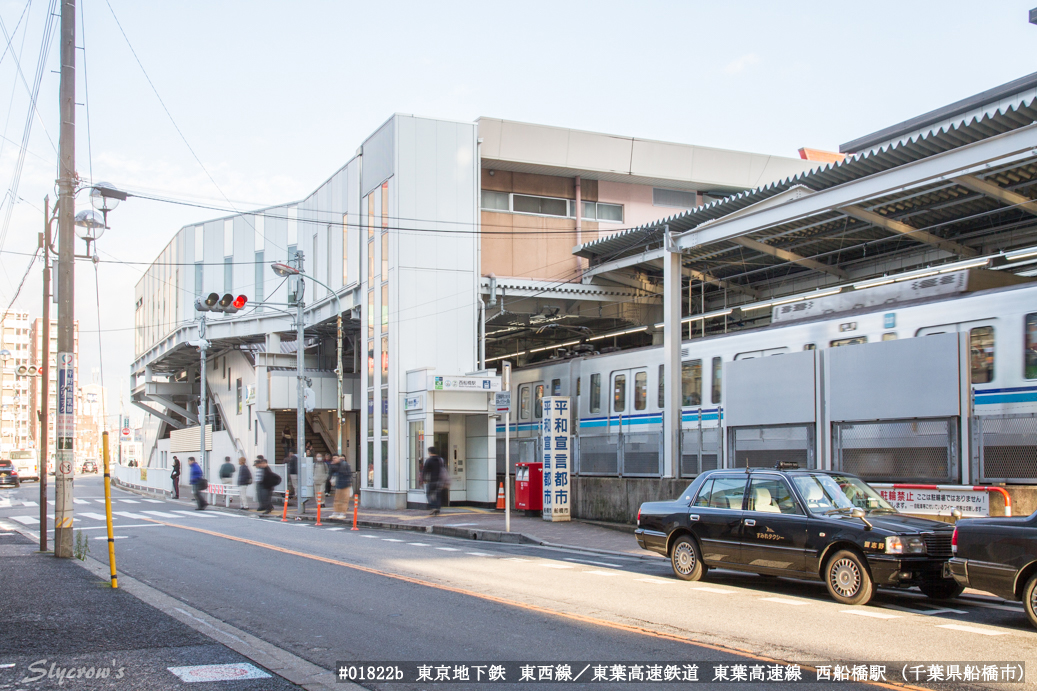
(284,270)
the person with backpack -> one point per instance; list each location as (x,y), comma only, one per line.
(343,487)
(265,488)
(244,480)
(198,483)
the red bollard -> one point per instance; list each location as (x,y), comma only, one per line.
(284,514)
(319,502)
(356,505)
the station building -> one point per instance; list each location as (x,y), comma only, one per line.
(445,246)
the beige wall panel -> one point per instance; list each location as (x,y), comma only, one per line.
(721,167)
(490,133)
(767,169)
(533,143)
(497,250)
(599,152)
(500,181)
(637,205)
(544,185)
(659,159)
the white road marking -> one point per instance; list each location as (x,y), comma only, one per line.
(154,501)
(114,537)
(869,613)
(121,527)
(128,514)
(370,536)
(76,500)
(596,563)
(1004,608)
(129,501)
(26,520)
(194,513)
(784,601)
(972,629)
(707,589)
(161,514)
(95,516)
(99,501)
(458,525)
(448,549)
(927,612)
(557,566)
(29,503)
(602,573)
(391,539)
(653,580)
(416,544)
(516,559)
(331,529)
(479,554)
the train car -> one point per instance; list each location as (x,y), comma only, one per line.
(618,396)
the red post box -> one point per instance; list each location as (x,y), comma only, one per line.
(529,483)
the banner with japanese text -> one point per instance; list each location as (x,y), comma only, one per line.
(557,455)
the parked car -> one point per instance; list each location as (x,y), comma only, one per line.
(998,555)
(8,475)
(89,466)
(809,524)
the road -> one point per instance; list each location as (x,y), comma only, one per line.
(329,594)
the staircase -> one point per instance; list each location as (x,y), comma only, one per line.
(287,417)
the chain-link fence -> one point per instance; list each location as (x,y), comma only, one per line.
(641,454)
(599,454)
(897,450)
(766,445)
(700,449)
(1007,447)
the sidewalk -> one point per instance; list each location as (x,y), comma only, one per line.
(64,628)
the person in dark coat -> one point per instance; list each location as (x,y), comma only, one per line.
(343,487)
(244,480)
(198,483)
(292,465)
(431,473)
(175,477)
(287,440)
(226,470)
(265,488)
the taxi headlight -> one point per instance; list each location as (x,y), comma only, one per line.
(905,545)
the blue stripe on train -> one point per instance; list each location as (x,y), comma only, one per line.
(1015,394)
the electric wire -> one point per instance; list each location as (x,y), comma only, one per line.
(21,284)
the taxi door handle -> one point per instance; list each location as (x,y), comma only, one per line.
(693,517)
(750,521)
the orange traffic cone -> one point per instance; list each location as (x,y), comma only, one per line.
(500,497)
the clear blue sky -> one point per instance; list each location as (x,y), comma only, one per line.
(274,97)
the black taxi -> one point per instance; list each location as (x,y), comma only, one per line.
(810,524)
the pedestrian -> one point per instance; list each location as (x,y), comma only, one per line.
(175,477)
(198,483)
(308,453)
(287,440)
(320,476)
(431,473)
(292,462)
(226,470)
(444,483)
(244,480)
(343,487)
(265,488)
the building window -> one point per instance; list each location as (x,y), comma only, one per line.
(678,199)
(718,373)
(619,393)
(640,390)
(981,345)
(1030,351)
(385,307)
(599,211)
(495,201)
(199,272)
(385,464)
(385,360)
(524,402)
(889,336)
(556,387)
(370,216)
(385,417)
(691,383)
(370,423)
(370,313)
(545,206)
(662,386)
(538,402)
(595,393)
(257,289)
(385,256)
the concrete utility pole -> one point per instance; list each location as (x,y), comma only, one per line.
(45,376)
(66,420)
(202,348)
(300,385)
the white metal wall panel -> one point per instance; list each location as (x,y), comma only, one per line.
(378,156)
(890,380)
(775,390)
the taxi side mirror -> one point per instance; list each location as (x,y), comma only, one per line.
(859,513)
(956,514)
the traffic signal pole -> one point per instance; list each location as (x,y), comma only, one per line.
(64,471)
(300,385)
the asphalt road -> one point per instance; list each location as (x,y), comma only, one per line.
(330,594)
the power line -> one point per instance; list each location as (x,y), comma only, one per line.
(22,283)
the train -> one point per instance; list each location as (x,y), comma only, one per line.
(618,396)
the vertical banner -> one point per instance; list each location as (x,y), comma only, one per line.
(557,454)
(65,427)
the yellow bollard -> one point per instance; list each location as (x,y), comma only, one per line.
(108,510)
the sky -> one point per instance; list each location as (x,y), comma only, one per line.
(248,104)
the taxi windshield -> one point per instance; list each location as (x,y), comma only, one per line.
(839,493)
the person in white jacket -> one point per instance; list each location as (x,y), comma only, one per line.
(320,477)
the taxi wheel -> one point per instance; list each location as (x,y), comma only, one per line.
(943,589)
(848,579)
(1030,599)
(685,559)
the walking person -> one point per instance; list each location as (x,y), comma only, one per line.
(175,477)
(198,483)
(226,470)
(320,476)
(430,474)
(444,483)
(265,487)
(292,464)
(287,440)
(244,480)
(343,487)
(308,451)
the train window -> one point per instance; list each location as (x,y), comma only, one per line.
(691,383)
(538,402)
(556,387)
(595,402)
(809,346)
(1030,353)
(619,393)
(889,336)
(662,386)
(524,402)
(981,345)
(578,386)
(640,390)
(718,371)
(848,341)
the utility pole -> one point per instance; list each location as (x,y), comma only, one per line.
(44,396)
(66,421)
(300,385)
(203,346)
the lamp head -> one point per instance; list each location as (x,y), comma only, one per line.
(105,197)
(89,224)
(284,270)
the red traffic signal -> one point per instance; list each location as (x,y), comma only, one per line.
(239,302)
(228,304)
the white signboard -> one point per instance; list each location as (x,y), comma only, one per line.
(450,383)
(937,502)
(415,402)
(557,453)
(502,401)
(65,423)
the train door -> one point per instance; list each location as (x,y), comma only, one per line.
(982,337)
(629,406)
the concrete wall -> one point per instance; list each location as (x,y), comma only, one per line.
(616,499)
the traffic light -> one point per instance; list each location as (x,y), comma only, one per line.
(228,304)
(27,370)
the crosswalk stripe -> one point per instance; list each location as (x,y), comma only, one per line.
(26,520)
(972,629)
(29,503)
(869,613)
(336,529)
(783,601)
(95,516)
(602,573)
(80,501)
(196,513)
(129,501)
(128,514)
(154,501)
(161,514)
